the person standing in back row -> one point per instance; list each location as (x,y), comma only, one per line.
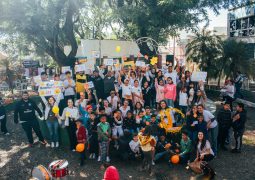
(25,115)
(3,118)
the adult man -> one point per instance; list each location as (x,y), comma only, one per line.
(108,84)
(225,120)
(212,126)
(99,84)
(25,111)
(171,74)
(239,120)
(238,84)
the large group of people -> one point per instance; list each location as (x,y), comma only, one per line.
(141,113)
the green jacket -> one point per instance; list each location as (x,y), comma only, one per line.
(185,146)
(102,136)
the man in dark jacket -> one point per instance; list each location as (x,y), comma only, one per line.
(99,84)
(25,111)
(238,125)
(108,84)
(224,120)
(3,118)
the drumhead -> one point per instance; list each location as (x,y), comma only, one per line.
(39,174)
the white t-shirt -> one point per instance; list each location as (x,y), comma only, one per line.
(208,116)
(83,103)
(134,146)
(183,99)
(207,146)
(230,90)
(126,90)
(124,111)
(136,90)
(173,75)
(69,91)
(114,102)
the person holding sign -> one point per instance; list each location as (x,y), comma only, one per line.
(70,114)
(51,115)
(69,86)
(80,81)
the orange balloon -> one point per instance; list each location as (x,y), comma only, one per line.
(80,147)
(175,159)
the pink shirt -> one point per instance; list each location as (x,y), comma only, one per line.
(159,92)
(170,91)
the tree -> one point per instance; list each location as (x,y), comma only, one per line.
(158,19)
(205,50)
(236,58)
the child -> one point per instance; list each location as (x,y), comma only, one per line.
(137,108)
(155,130)
(185,148)
(104,134)
(92,132)
(81,138)
(117,130)
(113,99)
(162,148)
(183,100)
(201,126)
(159,86)
(147,116)
(135,147)
(3,118)
(129,122)
(139,121)
(191,94)
(201,98)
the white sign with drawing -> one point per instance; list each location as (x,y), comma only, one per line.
(140,64)
(80,68)
(108,62)
(64,69)
(199,76)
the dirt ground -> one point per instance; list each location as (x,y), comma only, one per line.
(17,160)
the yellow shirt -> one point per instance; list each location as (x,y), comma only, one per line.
(80,81)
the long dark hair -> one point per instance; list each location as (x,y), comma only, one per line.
(203,141)
(159,107)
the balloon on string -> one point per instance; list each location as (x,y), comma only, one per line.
(175,159)
(118,49)
(80,147)
(154,60)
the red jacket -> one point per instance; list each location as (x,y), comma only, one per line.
(170,91)
(81,134)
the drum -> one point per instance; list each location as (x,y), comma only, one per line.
(41,173)
(59,168)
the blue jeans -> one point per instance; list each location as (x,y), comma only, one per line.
(170,102)
(160,155)
(213,136)
(53,129)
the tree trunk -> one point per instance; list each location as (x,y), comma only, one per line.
(145,49)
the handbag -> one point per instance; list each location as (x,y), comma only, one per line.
(196,166)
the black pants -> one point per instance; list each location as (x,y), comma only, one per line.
(223,134)
(3,125)
(71,129)
(238,135)
(208,157)
(28,126)
(93,145)
(82,157)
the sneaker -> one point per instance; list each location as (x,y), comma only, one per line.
(93,156)
(57,144)
(52,145)
(43,142)
(108,159)
(152,163)
(73,150)
(99,158)
(6,134)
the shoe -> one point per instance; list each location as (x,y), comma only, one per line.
(43,142)
(91,156)
(73,150)
(6,134)
(152,163)
(57,144)
(52,145)
(99,158)
(108,159)
(235,151)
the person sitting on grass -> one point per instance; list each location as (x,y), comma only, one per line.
(135,149)
(162,148)
(185,148)
(204,150)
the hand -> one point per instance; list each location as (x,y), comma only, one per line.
(153,148)
(201,156)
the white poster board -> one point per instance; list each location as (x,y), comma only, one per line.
(140,64)
(50,88)
(80,68)
(108,62)
(199,76)
(37,80)
(64,69)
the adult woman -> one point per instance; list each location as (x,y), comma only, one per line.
(52,118)
(204,150)
(170,92)
(137,93)
(108,110)
(138,108)
(191,122)
(70,114)
(132,78)
(166,116)
(125,108)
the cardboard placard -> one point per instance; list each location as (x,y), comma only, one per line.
(108,62)
(89,85)
(64,69)
(80,68)
(140,64)
(50,88)
(199,76)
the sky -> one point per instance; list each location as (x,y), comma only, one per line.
(218,20)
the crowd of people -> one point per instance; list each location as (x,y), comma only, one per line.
(146,114)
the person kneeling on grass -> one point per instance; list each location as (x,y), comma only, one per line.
(104,137)
(81,138)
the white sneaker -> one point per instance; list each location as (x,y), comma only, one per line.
(52,144)
(57,144)
(152,163)
(99,158)
(7,134)
(108,159)
(93,156)
(73,150)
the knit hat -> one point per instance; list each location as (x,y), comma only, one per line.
(111,173)
(89,107)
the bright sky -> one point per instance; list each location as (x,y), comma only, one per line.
(218,20)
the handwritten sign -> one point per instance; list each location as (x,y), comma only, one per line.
(199,76)
(108,62)
(140,64)
(89,85)
(50,88)
(64,69)
(80,68)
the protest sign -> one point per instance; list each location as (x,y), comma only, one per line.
(50,88)
(80,68)
(89,85)
(199,76)
(108,62)
(140,64)
(64,69)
